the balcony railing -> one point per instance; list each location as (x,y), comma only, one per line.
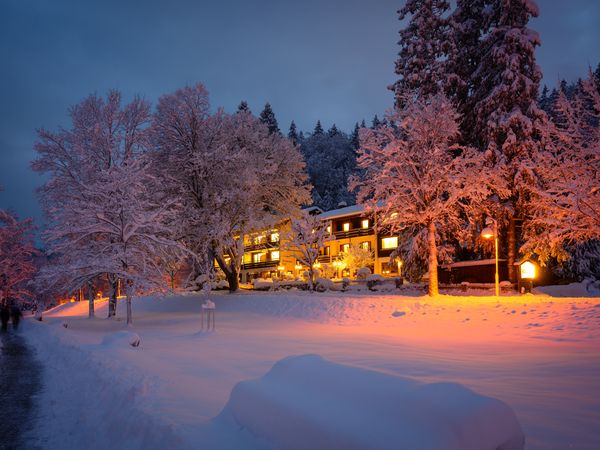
(357,232)
(324,259)
(259,265)
(261,246)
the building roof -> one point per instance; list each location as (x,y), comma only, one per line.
(351,210)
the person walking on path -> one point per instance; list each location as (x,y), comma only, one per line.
(15,314)
(4,315)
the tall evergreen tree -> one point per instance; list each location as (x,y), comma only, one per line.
(363,124)
(544,98)
(243,107)
(318,129)
(267,116)
(292,133)
(375,123)
(509,124)
(333,131)
(355,138)
(467,25)
(423,47)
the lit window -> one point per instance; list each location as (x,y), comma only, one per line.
(346,227)
(275,255)
(326,250)
(365,245)
(389,243)
(274,237)
(258,257)
(344,248)
(365,223)
(329,229)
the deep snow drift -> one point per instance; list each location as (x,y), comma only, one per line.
(305,402)
(538,354)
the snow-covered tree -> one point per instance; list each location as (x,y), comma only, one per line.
(418,183)
(330,160)
(355,137)
(231,175)
(318,129)
(375,123)
(509,125)
(356,257)
(565,211)
(293,133)
(17,267)
(267,116)
(467,25)
(305,240)
(104,213)
(182,130)
(243,107)
(423,47)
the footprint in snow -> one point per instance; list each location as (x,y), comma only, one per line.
(398,313)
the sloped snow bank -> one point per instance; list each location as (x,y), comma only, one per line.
(87,402)
(306,402)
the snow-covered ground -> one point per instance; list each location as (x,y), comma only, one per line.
(537,353)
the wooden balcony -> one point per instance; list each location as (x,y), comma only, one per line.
(260,265)
(357,232)
(324,259)
(261,246)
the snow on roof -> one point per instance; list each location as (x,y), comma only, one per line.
(480,262)
(342,212)
(313,209)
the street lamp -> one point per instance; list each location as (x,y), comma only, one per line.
(488,233)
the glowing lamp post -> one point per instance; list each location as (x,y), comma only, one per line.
(527,273)
(527,270)
(488,233)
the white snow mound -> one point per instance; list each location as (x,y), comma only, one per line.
(121,339)
(306,402)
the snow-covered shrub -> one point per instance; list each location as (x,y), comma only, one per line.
(293,283)
(220,284)
(263,284)
(323,284)
(345,283)
(373,280)
(363,273)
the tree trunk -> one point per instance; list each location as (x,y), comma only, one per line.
(311,276)
(129,313)
(231,271)
(91,296)
(433,275)
(112,302)
(233,279)
(512,250)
